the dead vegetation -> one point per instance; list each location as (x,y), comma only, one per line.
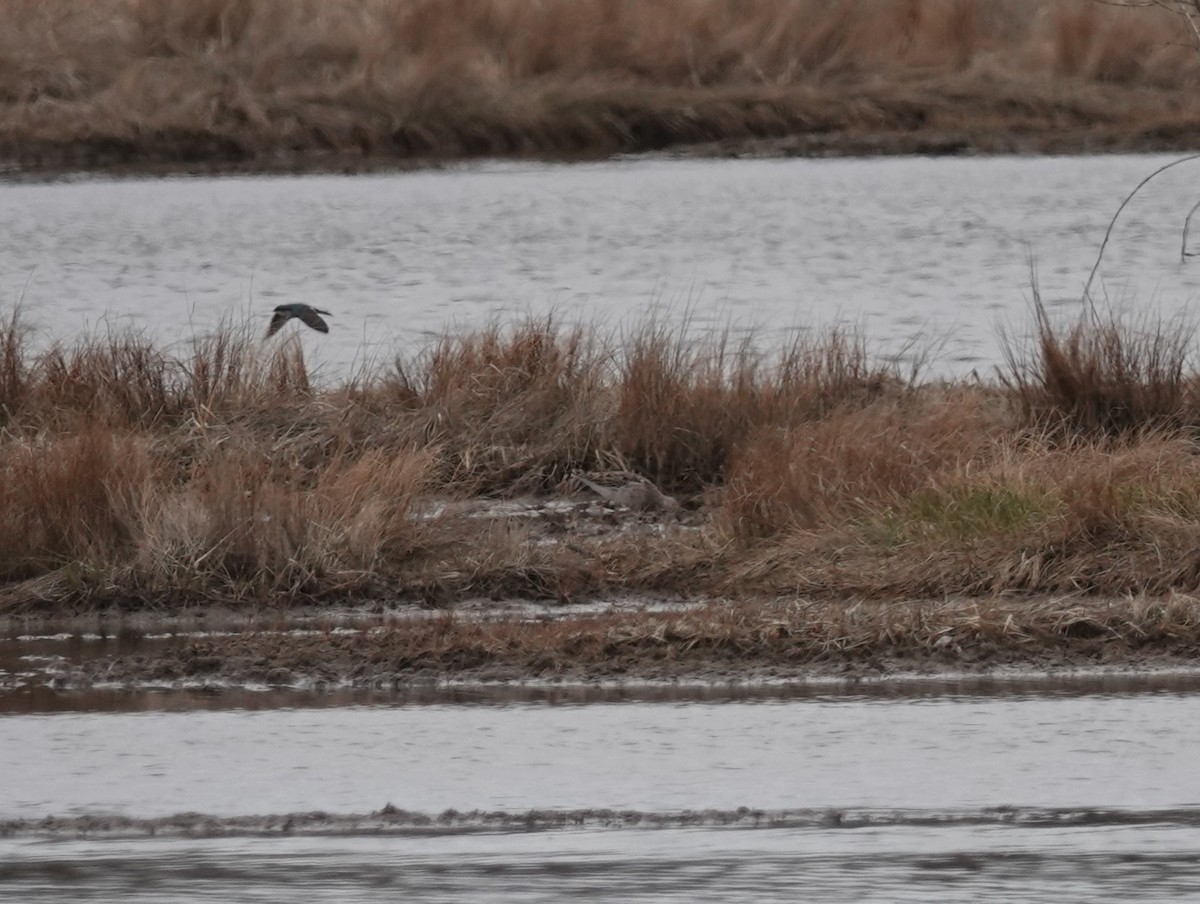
(134,477)
(270,83)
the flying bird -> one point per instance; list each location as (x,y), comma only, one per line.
(307,313)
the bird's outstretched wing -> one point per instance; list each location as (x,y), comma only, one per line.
(278,320)
(313,319)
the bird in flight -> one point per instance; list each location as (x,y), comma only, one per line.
(307,313)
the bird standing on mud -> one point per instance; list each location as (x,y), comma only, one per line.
(635,492)
(307,314)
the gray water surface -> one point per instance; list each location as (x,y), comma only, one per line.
(941,249)
(1018,797)
(1129,751)
(952,863)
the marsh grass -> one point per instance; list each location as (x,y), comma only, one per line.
(685,408)
(1100,376)
(966,512)
(856,459)
(514,409)
(121,82)
(1030,517)
(222,471)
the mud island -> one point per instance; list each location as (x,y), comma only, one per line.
(660,508)
(536,501)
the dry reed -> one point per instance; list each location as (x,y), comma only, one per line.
(297,82)
(1102,377)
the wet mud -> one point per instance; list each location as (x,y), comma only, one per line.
(48,160)
(482,654)
(390,820)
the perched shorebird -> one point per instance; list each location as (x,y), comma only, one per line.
(634,492)
(307,313)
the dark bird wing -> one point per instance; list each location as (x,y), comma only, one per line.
(313,319)
(278,320)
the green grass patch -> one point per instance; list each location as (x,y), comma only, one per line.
(962,513)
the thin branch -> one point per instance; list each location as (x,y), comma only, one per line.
(1087,287)
(1187,224)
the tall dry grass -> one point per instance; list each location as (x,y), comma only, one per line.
(268,82)
(853,462)
(223,470)
(67,500)
(131,474)
(1073,474)
(1029,518)
(1102,377)
(685,408)
(513,410)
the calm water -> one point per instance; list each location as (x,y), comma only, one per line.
(936,248)
(1007,797)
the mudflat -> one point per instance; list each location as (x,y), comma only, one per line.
(636,642)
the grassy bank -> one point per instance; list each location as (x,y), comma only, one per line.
(135,477)
(310,83)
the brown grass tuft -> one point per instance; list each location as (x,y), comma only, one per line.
(73,499)
(854,462)
(514,410)
(686,407)
(1105,378)
(252,523)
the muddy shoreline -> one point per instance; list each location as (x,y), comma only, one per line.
(37,162)
(663,644)
(391,820)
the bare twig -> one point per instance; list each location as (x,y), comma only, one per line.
(1187,223)
(1087,287)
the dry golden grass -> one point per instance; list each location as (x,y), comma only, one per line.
(1103,377)
(846,465)
(292,82)
(134,476)
(684,409)
(1033,519)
